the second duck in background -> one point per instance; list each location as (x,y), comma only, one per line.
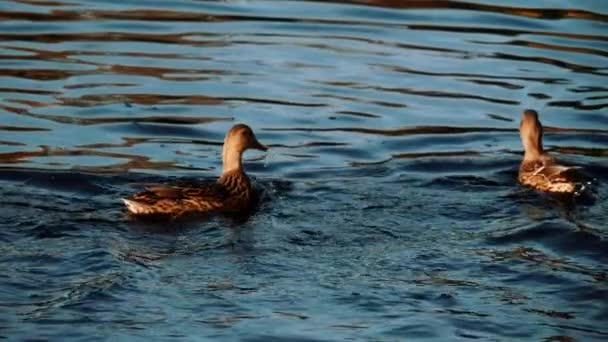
(538,169)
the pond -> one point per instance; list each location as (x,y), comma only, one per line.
(390,206)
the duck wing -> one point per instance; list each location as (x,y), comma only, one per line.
(561,173)
(162,191)
(547,175)
(161,199)
(201,192)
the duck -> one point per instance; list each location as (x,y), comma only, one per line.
(538,169)
(231,193)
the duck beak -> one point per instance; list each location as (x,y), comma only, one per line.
(258,146)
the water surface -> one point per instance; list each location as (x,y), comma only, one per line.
(390,207)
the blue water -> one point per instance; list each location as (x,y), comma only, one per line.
(389,204)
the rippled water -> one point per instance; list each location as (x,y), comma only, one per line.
(390,206)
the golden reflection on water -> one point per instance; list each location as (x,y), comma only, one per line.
(133,162)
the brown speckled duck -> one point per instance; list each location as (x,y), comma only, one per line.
(538,169)
(231,193)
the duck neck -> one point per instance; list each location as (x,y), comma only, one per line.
(533,146)
(231,159)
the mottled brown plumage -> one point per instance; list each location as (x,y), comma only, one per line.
(538,169)
(231,193)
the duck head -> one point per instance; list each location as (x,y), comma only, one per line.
(531,133)
(239,139)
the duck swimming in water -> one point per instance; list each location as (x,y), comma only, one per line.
(538,169)
(231,193)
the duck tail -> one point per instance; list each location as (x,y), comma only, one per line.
(137,208)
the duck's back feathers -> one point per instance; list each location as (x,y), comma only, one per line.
(231,193)
(175,200)
(546,175)
(209,190)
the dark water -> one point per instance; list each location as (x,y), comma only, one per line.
(390,209)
